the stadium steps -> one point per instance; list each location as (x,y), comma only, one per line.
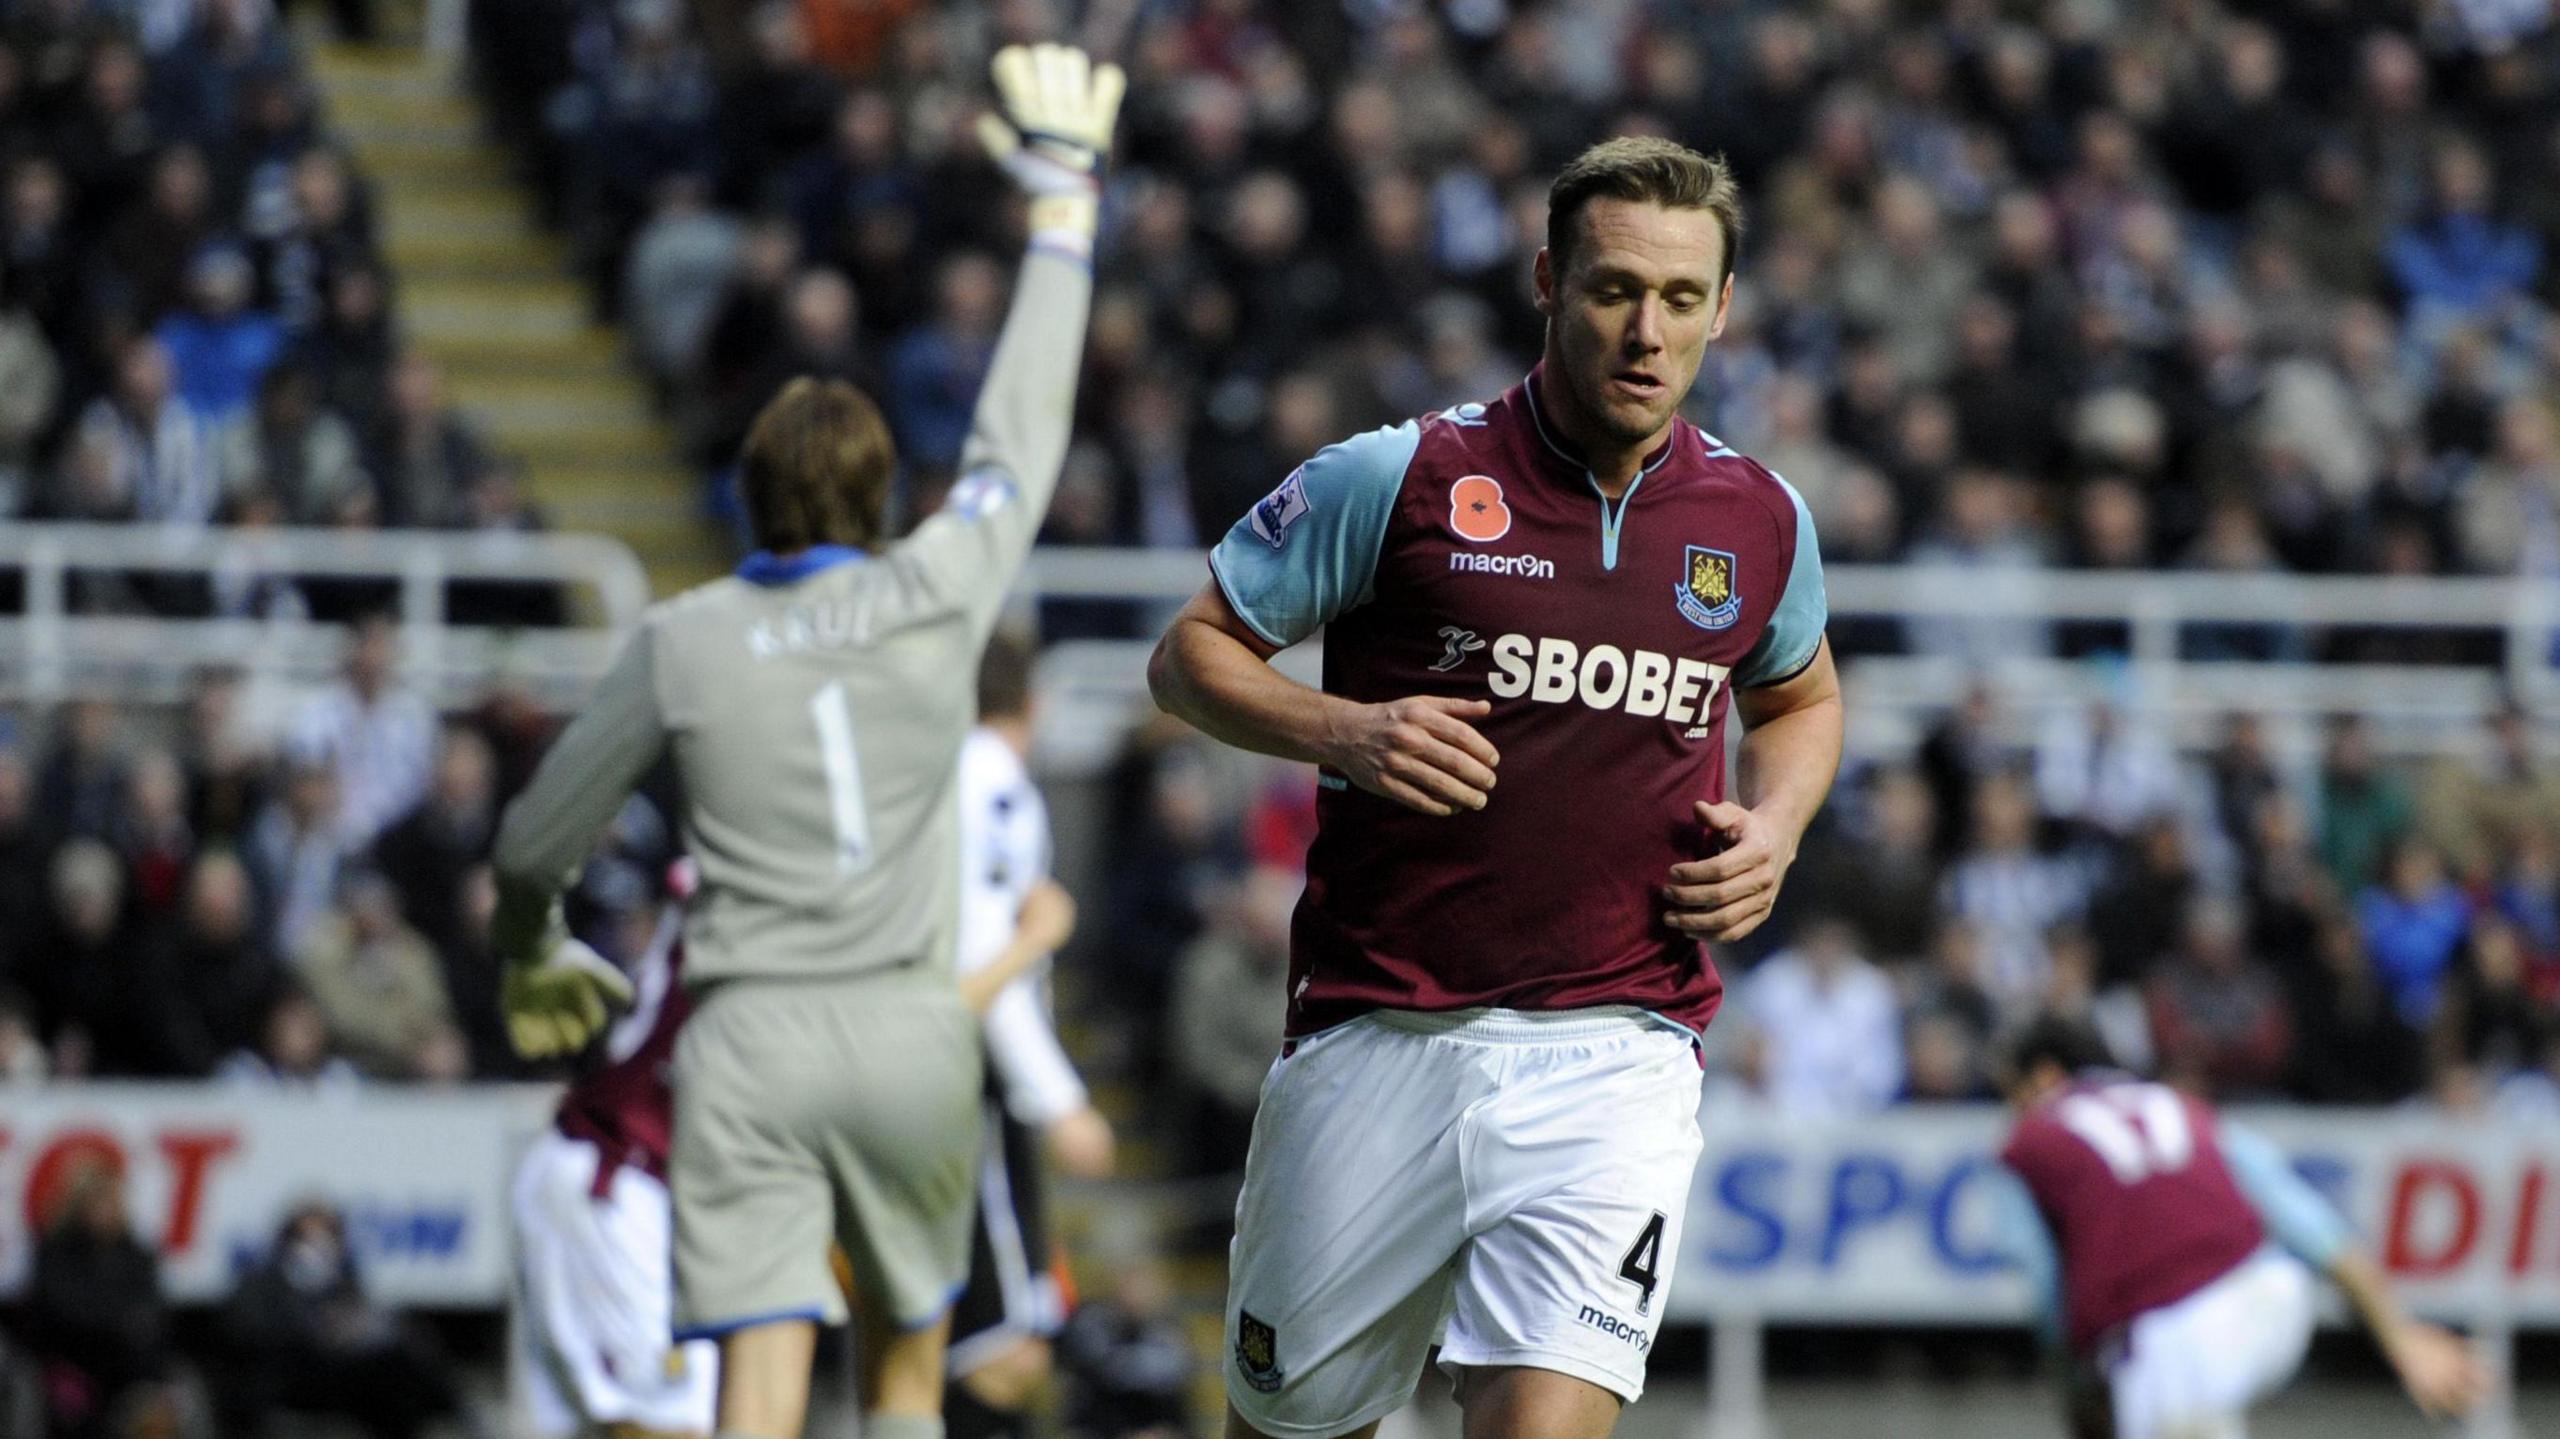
(487,292)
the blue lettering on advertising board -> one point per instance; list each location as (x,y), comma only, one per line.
(1983,1259)
(413,1233)
(1865,1190)
(376,1233)
(1742,1187)
(1747,1226)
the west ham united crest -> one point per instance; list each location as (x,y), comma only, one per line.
(1257,1353)
(1706,593)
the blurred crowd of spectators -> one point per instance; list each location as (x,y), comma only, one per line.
(299,1333)
(2234,288)
(2231,287)
(278,891)
(196,321)
(2331,929)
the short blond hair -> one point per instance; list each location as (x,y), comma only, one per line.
(816,468)
(1642,168)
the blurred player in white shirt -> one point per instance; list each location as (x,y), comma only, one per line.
(1011,915)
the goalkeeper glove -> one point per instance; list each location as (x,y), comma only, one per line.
(1059,108)
(557,1006)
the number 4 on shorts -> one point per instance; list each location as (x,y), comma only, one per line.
(1643,1265)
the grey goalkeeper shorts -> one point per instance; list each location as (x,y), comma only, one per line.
(815,1110)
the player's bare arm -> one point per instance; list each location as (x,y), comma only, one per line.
(1214,671)
(1047,921)
(1790,753)
(2435,1366)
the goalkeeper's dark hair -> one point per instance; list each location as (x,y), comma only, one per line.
(816,468)
(2072,1044)
(1004,676)
(1643,168)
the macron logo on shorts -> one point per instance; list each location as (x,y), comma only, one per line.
(1616,1328)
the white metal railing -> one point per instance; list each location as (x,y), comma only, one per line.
(2417,707)
(50,650)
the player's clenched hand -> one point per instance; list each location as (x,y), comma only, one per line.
(1726,895)
(2437,1368)
(556,1006)
(1419,752)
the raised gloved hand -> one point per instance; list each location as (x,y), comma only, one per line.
(557,1006)
(1058,112)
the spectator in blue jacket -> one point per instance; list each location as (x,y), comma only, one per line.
(2414,922)
(935,370)
(220,348)
(2460,261)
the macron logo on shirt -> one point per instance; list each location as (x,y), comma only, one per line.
(1477,562)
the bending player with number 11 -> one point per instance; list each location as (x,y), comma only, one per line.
(815,705)
(1481,1131)
(2174,1253)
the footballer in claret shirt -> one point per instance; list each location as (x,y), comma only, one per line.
(1539,612)
(2176,1254)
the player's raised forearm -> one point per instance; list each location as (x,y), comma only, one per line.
(1017,443)
(1027,406)
(1791,748)
(1052,139)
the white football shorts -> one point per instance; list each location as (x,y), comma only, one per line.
(2190,1370)
(1509,1186)
(595,1299)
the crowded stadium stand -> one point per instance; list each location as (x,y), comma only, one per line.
(2175,388)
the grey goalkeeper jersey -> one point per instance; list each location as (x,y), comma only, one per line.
(816,708)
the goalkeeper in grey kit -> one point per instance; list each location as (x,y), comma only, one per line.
(814,705)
